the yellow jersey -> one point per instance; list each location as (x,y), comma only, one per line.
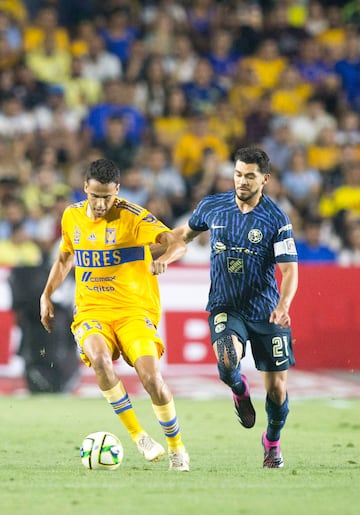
(112,259)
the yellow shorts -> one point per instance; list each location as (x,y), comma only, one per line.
(130,337)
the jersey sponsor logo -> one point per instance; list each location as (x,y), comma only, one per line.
(280,362)
(87,277)
(235,265)
(220,317)
(286,246)
(77,235)
(110,236)
(255,235)
(104,258)
(100,289)
(217,226)
(219,328)
(219,247)
(92,237)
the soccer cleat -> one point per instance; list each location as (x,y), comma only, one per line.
(151,450)
(272,454)
(244,410)
(179,460)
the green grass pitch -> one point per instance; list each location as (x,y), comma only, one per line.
(41,471)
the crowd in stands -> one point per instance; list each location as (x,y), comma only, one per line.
(168,90)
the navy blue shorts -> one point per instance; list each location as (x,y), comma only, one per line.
(271,345)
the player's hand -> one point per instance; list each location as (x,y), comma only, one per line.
(46,313)
(280,317)
(158,267)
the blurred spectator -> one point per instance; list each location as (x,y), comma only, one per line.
(333,37)
(204,92)
(173,124)
(28,88)
(348,132)
(226,124)
(14,212)
(15,121)
(98,63)
(19,249)
(279,28)
(246,90)
(348,69)
(258,121)
(305,126)
(160,35)
(302,184)
(58,126)
(48,62)
(188,151)
(116,146)
(310,247)
(278,144)
(223,57)
(202,17)
(133,186)
(46,24)
(324,153)
(316,21)
(81,92)
(345,197)
(267,63)
(151,92)
(119,34)
(164,181)
(181,65)
(46,186)
(290,96)
(350,254)
(119,98)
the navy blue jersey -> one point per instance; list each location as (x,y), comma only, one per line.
(244,251)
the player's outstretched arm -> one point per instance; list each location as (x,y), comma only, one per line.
(171,249)
(58,272)
(288,287)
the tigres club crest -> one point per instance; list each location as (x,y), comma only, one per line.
(255,235)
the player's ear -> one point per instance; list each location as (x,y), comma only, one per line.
(266,178)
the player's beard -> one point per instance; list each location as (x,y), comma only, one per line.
(245,196)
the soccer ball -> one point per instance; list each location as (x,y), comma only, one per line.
(101,450)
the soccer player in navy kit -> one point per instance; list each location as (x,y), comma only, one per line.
(250,235)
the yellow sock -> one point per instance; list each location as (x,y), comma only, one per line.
(119,400)
(167,418)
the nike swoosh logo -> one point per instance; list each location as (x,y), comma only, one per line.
(278,363)
(217,226)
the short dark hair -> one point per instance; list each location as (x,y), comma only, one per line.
(254,155)
(104,171)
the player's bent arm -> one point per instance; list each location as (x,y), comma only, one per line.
(288,287)
(174,249)
(183,232)
(57,275)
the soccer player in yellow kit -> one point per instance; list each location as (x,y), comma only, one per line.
(117,303)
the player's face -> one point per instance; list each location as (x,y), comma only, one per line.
(249,181)
(100,196)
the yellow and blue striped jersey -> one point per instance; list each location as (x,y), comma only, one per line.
(112,258)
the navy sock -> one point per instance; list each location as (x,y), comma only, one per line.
(276,418)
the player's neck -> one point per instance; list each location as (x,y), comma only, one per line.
(246,206)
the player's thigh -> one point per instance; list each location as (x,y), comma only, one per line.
(92,330)
(138,337)
(271,346)
(225,324)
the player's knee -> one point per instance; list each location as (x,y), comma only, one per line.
(101,362)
